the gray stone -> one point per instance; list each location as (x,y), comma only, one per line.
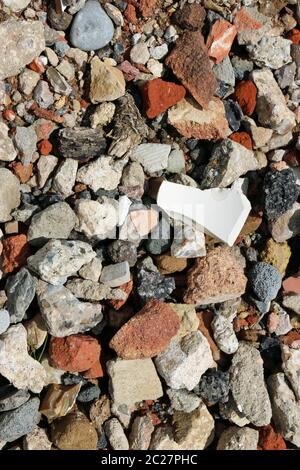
(272,52)
(265,281)
(229,161)
(152,157)
(58,82)
(235,438)
(122,250)
(56,221)
(25,140)
(93,291)
(176,162)
(141,432)
(92,270)
(242,67)
(115,434)
(182,400)
(20,290)
(133,175)
(144,383)
(291,367)
(248,386)
(59,259)
(24,41)
(224,73)
(28,79)
(7,150)
(287,225)
(185,360)
(16,423)
(16,365)
(45,167)
(150,284)
(42,95)
(4,320)
(115,275)
(65,177)
(91,29)
(286,410)
(230,412)
(63,313)
(139,54)
(285,75)
(11,398)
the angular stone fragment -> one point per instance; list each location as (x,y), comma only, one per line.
(15,363)
(189,321)
(75,353)
(191,120)
(144,383)
(291,367)
(96,219)
(90,290)
(216,278)
(37,439)
(11,398)
(59,259)
(182,400)
(17,35)
(287,225)
(272,52)
(220,39)
(286,410)
(271,105)
(147,333)
(248,386)
(195,430)
(81,143)
(64,179)
(56,221)
(107,82)
(224,334)
(184,361)
(115,433)
(115,275)
(140,434)
(45,166)
(190,63)
(160,95)
(36,331)
(9,194)
(20,291)
(63,313)
(229,161)
(235,438)
(59,400)
(58,82)
(153,157)
(103,173)
(230,411)
(17,423)
(152,285)
(74,432)
(7,150)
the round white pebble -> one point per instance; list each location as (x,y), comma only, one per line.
(4,320)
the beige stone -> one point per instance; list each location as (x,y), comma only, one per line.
(107,82)
(195,430)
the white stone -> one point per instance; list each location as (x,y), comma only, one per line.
(114,275)
(224,334)
(45,166)
(58,259)
(188,241)
(16,5)
(159,52)
(9,194)
(271,106)
(37,439)
(65,177)
(103,114)
(103,173)
(4,320)
(272,52)
(140,53)
(96,219)
(153,157)
(185,360)
(16,365)
(155,67)
(115,434)
(124,205)
(7,149)
(231,206)
(235,438)
(291,367)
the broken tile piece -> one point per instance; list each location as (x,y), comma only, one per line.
(220,39)
(152,157)
(231,205)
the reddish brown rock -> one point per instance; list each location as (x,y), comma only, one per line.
(44,147)
(126,288)
(269,439)
(205,319)
(130,14)
(147,333)
(191,120)
(294,36)
(160,95)
(190,63)
(217,277)
(245,94)
(291,285)
(16,250)
(245,22)
(191,17)
(95,372)
(220,39)
(145,7)
(23,172)
(242,138)
(292,339)
(75,353)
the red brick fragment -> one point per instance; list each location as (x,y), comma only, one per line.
(220,39)
(294,36)
(16,250)
(245,22)
(145,7)
(269,439)
(45,147)
(190,63)
(75,353)
(46,114)
(291,157)
(130,14)
(160,95)
(242,138)
(291,285)
(37,66)
(126,288)
(245,94)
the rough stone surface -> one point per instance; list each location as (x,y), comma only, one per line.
(280,192)
(195,430)
(16,34)
(213,386)
(272,52)
(20,290)
(15,363)
(96,219)
(224,334)
(37,439)
(184,361)
(147,333)
(115,434)
(291,368)
(140,434)
(248,386)
(75,353)
(9,193)
(59,259)
(216,278)
(265,281)
(160,95)
(103,173)
(63,313)
(15,252)
(144,383)
(11,398)
(235,438)
(190,63)
(17,423)
(107,82)
(276,254)
(7,150)
(74,432)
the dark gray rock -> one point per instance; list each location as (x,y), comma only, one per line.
(20,290)
(152,285)
(17,423)
(280,192)
(121,250)
(88,393)
(11,398)
(213,386)
(81,143)
(265,281)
